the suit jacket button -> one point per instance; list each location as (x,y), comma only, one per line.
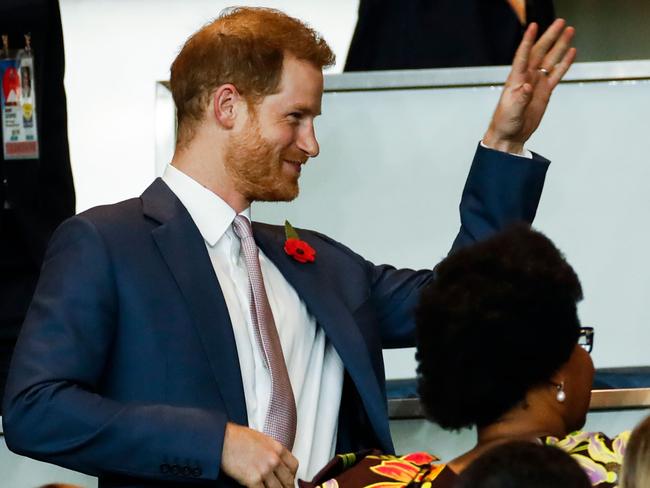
(164,468)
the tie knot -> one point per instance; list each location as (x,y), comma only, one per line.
(242,227)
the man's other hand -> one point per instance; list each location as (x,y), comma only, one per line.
(536,70)
(256,460)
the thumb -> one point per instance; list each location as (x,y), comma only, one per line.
(523,94)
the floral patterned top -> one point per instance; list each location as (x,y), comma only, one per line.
(375,470)
(600,456)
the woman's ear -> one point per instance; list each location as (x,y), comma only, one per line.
(226,104)
(557,383)
(558,377)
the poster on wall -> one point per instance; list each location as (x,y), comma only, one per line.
(18,103)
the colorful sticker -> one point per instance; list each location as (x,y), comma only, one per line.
(18,105)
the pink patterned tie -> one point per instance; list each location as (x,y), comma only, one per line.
(280,422)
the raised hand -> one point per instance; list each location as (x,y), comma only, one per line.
(536,70)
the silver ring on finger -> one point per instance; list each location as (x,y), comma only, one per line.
(544,71)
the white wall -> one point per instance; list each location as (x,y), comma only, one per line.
(21,472)
(115,52)
(392,167)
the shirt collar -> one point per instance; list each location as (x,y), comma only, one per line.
(211,214)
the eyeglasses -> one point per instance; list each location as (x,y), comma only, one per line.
(586,338)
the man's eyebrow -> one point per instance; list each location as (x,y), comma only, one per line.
(307,110)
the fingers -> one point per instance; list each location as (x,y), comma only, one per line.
(562,67)
(289,461)
(545,43)
(522,94)
(274,472)
(284,476)
(520,63)
(256,460)
(558,51)
(286,470)
(281,471)
(271,481)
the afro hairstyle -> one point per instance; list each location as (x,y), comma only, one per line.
(499,319)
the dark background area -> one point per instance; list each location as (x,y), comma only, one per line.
(36,195)
(608,30)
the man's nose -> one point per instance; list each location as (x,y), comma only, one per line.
(307,141)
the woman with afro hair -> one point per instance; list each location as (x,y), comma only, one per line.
(500,348)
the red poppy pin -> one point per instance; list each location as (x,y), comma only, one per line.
(297,248)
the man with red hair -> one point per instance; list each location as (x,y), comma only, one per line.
(172,341)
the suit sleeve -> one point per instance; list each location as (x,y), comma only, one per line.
(52,410)
(501,189)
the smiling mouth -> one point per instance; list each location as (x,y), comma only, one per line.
(296,165)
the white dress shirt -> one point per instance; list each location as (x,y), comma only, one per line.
(315,368)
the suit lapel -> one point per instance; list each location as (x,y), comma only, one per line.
(311,281)
(183,249)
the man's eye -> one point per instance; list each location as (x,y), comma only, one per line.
(295,115)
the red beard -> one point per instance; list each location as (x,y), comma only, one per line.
(257,168)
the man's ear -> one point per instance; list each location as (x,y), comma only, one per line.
(226,103)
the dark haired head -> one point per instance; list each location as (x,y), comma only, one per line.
(499,319)
(524,465)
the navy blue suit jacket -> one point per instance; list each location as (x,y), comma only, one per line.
(127,369)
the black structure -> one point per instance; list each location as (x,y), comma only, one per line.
(35,194)
(414,34)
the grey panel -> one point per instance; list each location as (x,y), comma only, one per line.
(393,162)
